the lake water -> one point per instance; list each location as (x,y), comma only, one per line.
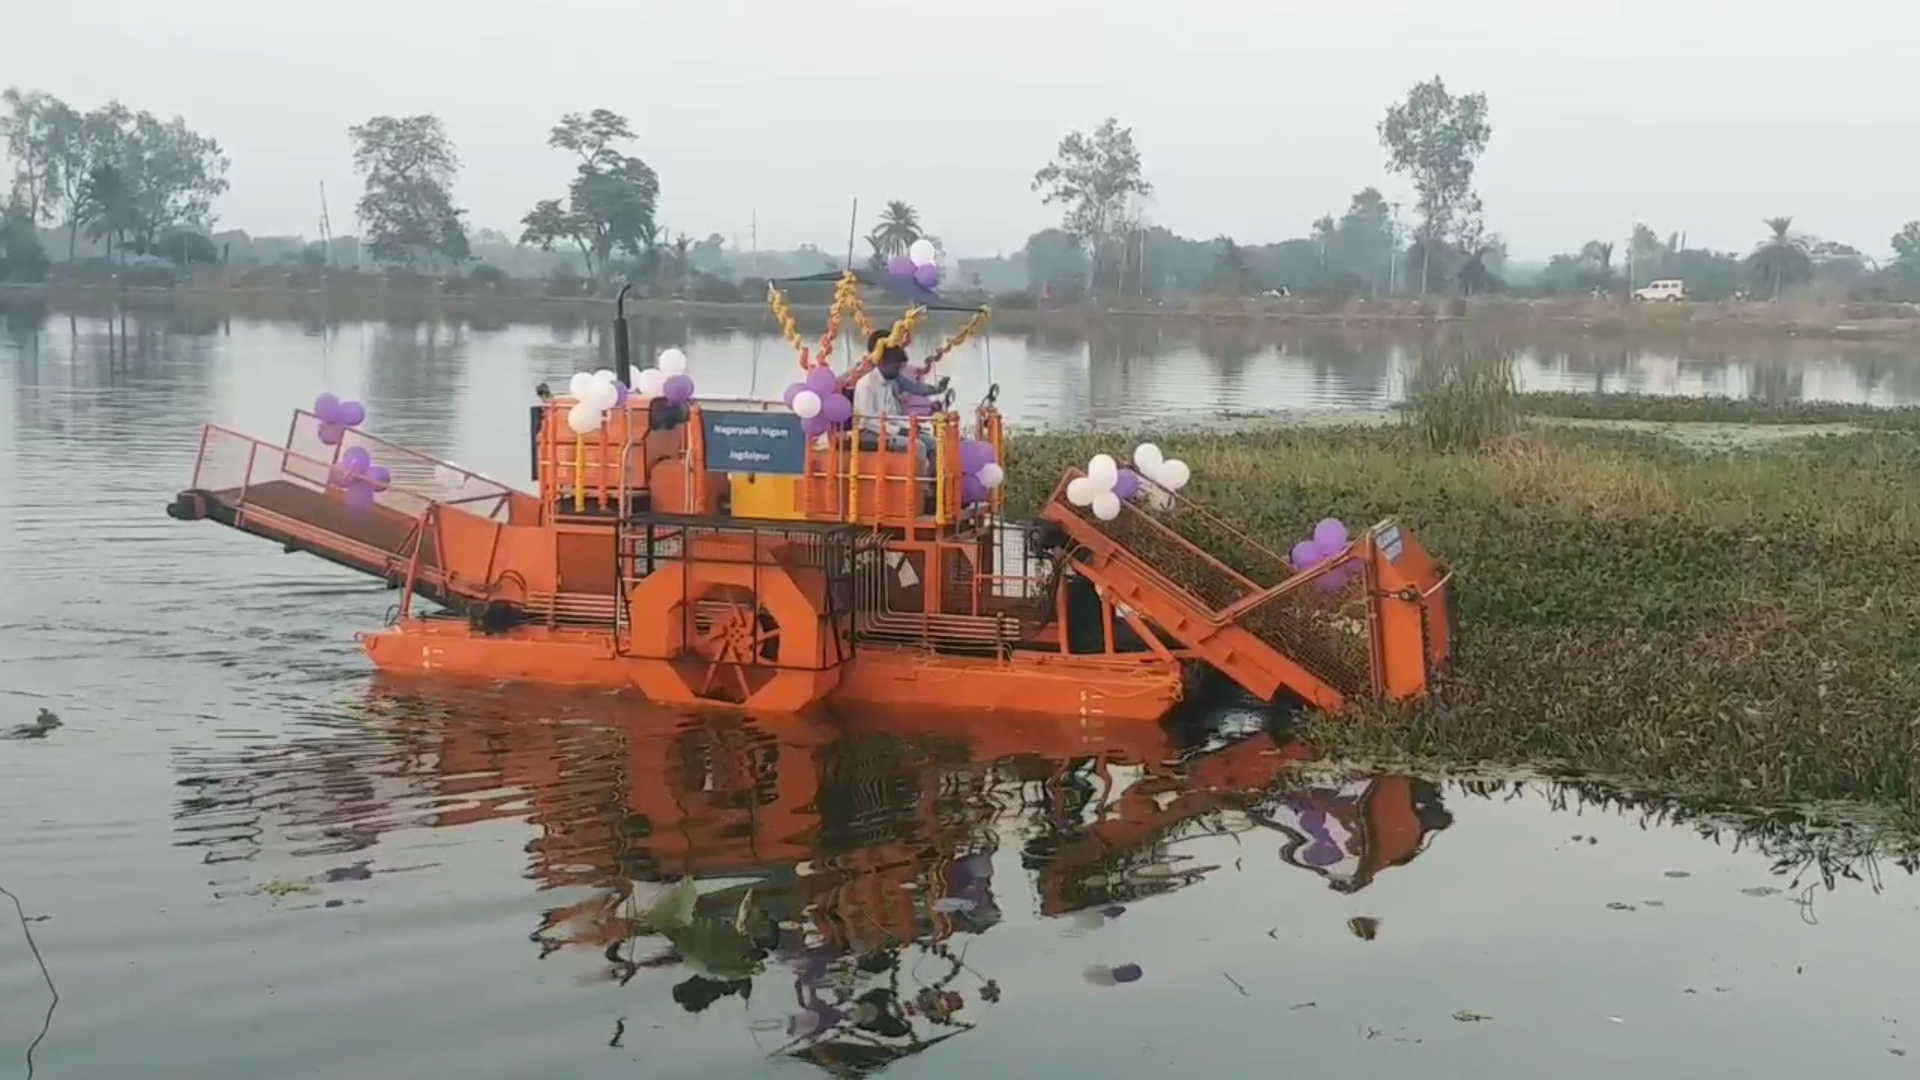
(246,857)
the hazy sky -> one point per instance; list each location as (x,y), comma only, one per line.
(1254,117)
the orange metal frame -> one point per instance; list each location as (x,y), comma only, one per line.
(627,569)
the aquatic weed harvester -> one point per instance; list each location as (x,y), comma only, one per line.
(771,555)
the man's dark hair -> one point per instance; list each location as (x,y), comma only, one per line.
(874,339)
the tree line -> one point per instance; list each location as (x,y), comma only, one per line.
(1434,139)
(135,187)
(129,179)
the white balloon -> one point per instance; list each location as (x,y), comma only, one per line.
(1106,506)
(673,362)
(1103,471)
(633,375)
(806,404)
(602,395)
(651,382)
(580,385)
(992,475)
(606,375)
(1080,491)
(584,419)
(922,252)
(1173,474)
(1147,458)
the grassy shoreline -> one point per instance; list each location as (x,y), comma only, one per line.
(1598,318)
(1742,626)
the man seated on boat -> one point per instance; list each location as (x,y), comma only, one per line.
(877,402)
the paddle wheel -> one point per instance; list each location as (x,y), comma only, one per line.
(734,647)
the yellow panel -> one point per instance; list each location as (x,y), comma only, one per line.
(770,498)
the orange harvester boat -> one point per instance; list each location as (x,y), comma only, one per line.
(712,554)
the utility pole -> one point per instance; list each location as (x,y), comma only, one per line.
(753,237)
(326,228)
(1393,251)
(1632,235)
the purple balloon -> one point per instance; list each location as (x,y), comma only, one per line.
(331,433)
(352,413)
(1321,851)
(355,459)
(1337,578)
(379,477)
(326,409)
(792,390)
(1127,485)
(678,389)
(1330,535)
(836,409)
(359,497)
(620,393)
(815,426)
(1305,555)
(900,266)
(972,490)
(927,276)
(823,381)
(974,456)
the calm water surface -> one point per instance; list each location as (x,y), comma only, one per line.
(254,859)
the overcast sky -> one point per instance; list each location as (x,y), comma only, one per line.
(1253,117)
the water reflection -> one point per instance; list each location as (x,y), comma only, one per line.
(845,857)
(1103,372)
(848,862)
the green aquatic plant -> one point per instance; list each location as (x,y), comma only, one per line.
(1462,395)
(1712,409)
(1741,624)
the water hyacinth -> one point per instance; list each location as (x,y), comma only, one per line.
(1625,601)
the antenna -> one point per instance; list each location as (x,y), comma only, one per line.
(326,227)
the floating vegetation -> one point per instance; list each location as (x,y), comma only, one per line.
(1713,409)
(1739,625)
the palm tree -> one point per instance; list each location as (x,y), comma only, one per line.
(1781,260)
(899,227)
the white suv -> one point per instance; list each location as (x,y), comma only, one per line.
(1671,289)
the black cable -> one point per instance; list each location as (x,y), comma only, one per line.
(33,946)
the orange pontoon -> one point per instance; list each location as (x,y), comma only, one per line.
(710,553)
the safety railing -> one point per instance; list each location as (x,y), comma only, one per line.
(305,497)
(428,477)
(1323,620)
(860,476)
(1156,551)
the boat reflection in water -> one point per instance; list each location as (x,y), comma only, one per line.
(848,851)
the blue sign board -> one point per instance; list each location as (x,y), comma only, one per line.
(754,442)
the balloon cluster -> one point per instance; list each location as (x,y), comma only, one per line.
(336,417)
(1106,485)
(920,264)
(668,379)
(357,478)
(1328,540)
(593,394)
(818,402)
(979,472)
